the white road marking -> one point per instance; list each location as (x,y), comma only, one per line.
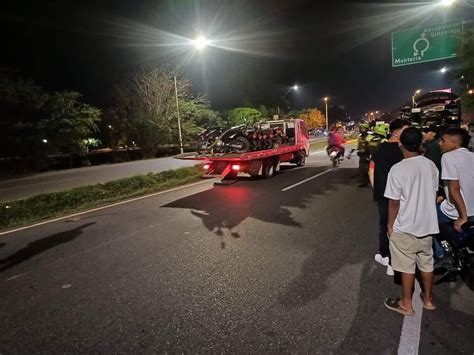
(411,329)
(101,208)
(306,180)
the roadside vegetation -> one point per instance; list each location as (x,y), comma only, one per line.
(52,205)
(41,207)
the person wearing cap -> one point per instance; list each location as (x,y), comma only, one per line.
(412,220)
(432,150)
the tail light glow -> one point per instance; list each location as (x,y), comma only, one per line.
(235,167)
(206,166)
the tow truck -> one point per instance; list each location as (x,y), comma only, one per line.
(265,163)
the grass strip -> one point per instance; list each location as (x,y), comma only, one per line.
(52,205)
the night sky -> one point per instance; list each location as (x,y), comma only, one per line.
(338,49)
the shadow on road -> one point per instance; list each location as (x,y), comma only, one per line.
(225,207)
(39,246)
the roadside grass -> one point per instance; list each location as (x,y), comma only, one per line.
(52,205)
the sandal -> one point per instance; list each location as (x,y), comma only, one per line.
(394,305)
(425,306)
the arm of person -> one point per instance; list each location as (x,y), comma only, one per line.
(393,207)
(371,173)
(457,200)
(393,191)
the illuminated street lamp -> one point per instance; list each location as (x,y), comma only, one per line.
(443,70)
(470,92)
(200,42)
(327,119)
(447,2)
(413,97)
(294,88)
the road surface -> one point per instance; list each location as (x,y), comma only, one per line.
(244,268)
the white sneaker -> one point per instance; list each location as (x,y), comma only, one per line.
(383,261)
(390,271)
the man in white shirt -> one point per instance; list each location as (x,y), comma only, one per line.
(412,220)
(457,166)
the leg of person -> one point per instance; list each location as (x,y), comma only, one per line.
(363,171)
(408,281)
(402,249)
(424,261)
(384,250)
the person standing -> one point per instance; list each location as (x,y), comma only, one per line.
(458,171)
(432,150)
(381,162)
(412,220)
(364,153)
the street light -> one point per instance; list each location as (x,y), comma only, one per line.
(295,88)
(447,2)
(200,42)
(413,97)
(327,119)
(443,70)
(470,92)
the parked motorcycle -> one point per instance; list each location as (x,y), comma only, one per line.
(234,140)
(458,252)
(207,137)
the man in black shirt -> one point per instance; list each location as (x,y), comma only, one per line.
(387,155)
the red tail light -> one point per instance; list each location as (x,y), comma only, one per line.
(235,167)
(206,166)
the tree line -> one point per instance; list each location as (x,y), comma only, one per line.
(36,124)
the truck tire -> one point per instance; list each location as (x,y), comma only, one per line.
(268,169)
(301,161)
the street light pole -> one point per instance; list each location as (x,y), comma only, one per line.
(179,119)
(327,119)
(413,98)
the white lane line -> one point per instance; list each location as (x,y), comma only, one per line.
(101,208)
(306,180)
(411,329)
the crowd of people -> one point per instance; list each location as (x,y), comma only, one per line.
(422,179)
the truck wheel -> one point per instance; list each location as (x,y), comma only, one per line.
(301,161)
(268,169)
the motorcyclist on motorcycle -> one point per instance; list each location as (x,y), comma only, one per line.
(336,141)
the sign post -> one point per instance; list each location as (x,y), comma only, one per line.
(426,44)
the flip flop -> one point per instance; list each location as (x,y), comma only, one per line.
(393,304)
(429,308)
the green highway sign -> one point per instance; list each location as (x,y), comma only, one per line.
(425,44)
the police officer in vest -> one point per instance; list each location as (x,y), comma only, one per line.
(364,153)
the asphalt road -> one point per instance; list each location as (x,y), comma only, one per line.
(54,181)
(243,268)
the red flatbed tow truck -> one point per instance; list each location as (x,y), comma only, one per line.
(262,162)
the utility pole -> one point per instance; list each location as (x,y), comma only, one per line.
(179,119)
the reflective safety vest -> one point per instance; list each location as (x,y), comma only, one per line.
(374,143)
(363,144)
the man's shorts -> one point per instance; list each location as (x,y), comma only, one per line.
(408,252)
